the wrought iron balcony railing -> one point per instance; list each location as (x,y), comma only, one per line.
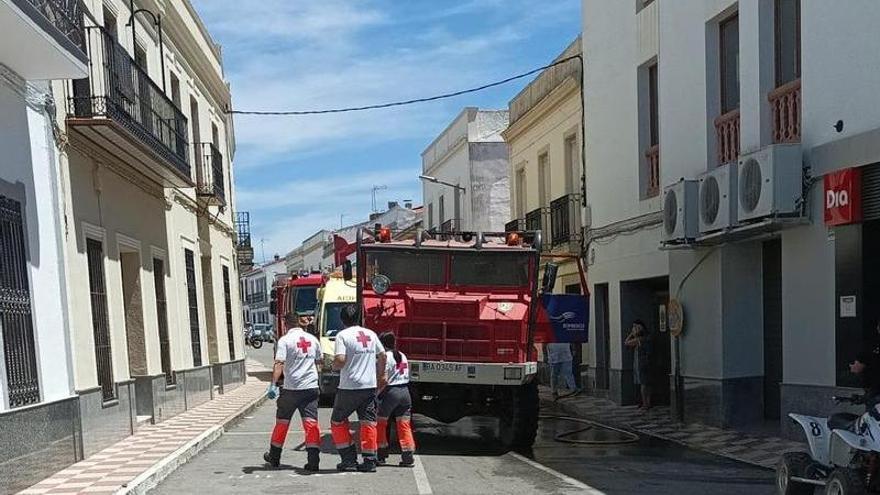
(66,16)
(451,225)
(120,90)
(209,172)
(515,225)
(538,219)
(565,219)
(785,108)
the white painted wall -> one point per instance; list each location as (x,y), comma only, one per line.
(29,166)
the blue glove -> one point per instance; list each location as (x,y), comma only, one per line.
(272,392)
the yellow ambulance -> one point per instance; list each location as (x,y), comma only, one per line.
(336,293)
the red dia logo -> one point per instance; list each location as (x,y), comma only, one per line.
(843,197)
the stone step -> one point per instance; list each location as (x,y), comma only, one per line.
(144,420)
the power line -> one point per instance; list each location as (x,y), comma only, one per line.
(406,102)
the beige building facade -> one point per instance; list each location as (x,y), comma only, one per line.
(152,269)
(544,139)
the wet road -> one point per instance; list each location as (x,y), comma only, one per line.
(462,458)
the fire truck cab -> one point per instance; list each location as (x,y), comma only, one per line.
(297,294)
(463,307)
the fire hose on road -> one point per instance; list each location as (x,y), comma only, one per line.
(564,437)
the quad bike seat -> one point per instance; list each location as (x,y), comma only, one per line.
(842,421)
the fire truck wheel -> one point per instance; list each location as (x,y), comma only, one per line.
(519,422)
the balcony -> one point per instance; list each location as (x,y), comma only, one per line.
(243,247)
(785,109)
(539,219)
(209,173)
(451,225)
(727,137)
(515,225)
(565,223)
(120,109)
(653,160)
(256,298)
(43,39)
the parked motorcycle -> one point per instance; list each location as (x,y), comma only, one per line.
(844,454)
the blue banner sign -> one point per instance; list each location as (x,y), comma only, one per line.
(568,316)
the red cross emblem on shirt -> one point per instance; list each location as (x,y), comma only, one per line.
(402,367)
(363,338)
(304,345)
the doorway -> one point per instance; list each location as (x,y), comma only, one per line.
(132,304)
(646,300)
(772,306)
(603,336)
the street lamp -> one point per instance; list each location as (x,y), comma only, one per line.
(157,21)
(444,183)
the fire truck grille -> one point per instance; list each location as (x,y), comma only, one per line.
(459,342)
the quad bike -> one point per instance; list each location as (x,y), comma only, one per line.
(844,454)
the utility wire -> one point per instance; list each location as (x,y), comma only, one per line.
(406,102)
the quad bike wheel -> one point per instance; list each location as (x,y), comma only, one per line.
(846,482)
(793,464)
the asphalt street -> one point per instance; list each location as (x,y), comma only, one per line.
(462,458)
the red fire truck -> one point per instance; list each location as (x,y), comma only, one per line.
(297,294)
(465,308)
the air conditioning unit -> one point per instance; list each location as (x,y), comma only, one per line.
(770,182)
(680,211)
(718,199)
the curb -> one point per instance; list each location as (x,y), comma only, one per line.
(150,478)
(573,410)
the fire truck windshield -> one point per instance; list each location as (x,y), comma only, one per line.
(306,299)
(407,267)
(490,269)
(332,321)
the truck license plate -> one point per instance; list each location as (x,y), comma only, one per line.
(444,367)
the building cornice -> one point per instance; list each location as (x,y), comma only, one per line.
(112,163)
(568,88)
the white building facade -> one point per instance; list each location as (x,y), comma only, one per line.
(471,154)
(40,42)
(778,296)
(255,288)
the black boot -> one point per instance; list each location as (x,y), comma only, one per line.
(407,459)
(273,457)
(313,459)
(349,459)
(382,457)
(368,466)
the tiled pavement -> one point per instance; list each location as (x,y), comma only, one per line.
(124,466)
(760,450)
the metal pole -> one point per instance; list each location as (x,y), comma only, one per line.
(161,50)
(131,20)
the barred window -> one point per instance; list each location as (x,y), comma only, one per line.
(193,301)
(15,309)
(100,324)
(162,317)
(227,297)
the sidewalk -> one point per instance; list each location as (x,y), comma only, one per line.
(142,460)
(752,448)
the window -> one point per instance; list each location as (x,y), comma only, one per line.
(227,300)
(729,51)
(544,180)
(572,165)
(100,325)
(110,23)
(521,193)
(140,57)
(422,268)
(787,22)
(19,349)
(162,317)
(653,112)
(331,324)
(215,136)
(442,206)
(495,269)
(193,301)
(175,89)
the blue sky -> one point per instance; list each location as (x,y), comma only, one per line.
(296,175)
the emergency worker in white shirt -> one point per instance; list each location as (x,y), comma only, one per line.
(395,403)
(360,359)
(298,357)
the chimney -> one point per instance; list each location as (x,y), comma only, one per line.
(374,216)
(407,203)
(392,204)
(277,257)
